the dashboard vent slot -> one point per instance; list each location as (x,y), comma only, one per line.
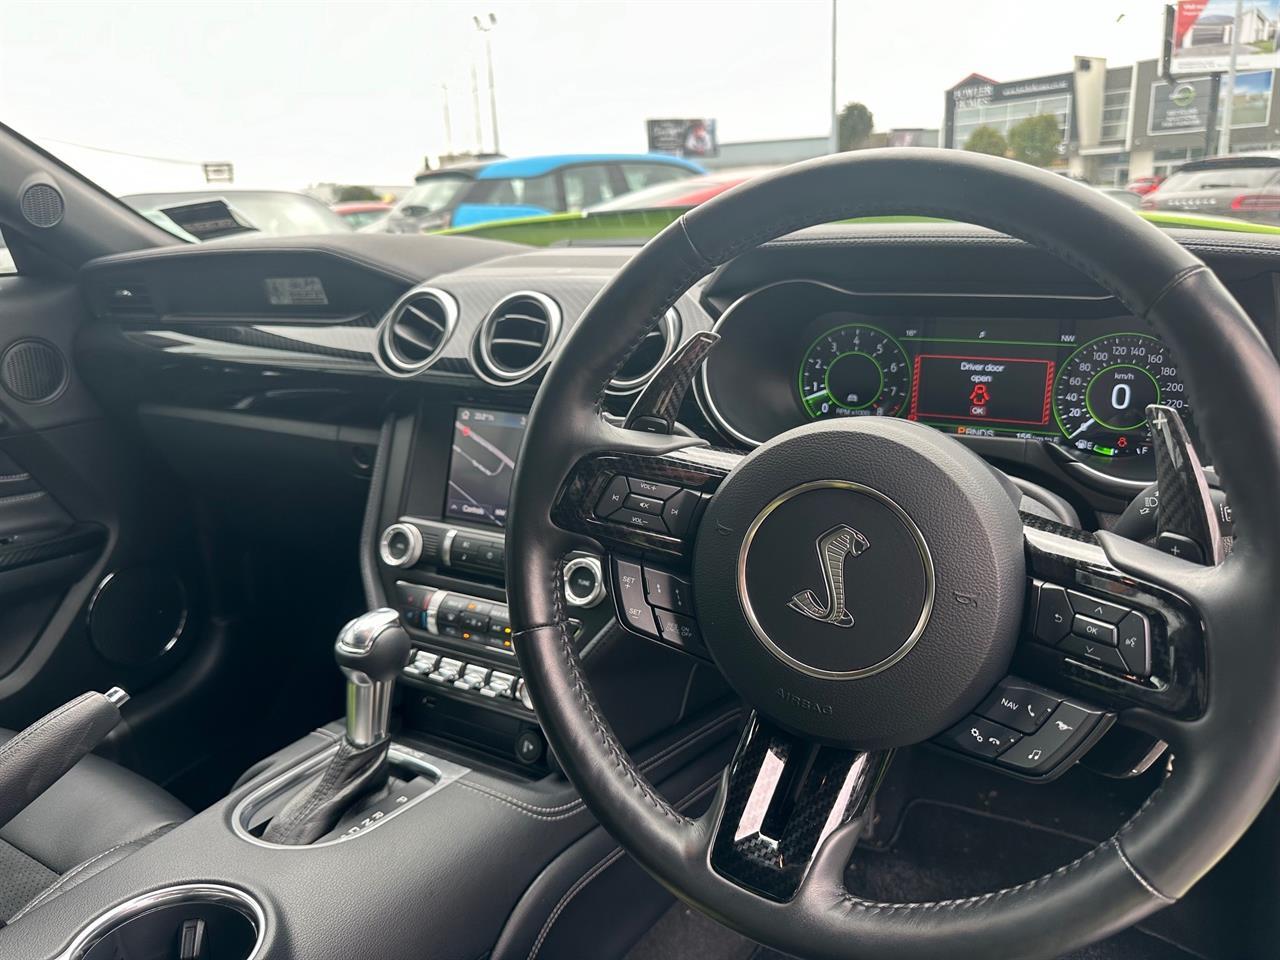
(128,298)
(516,338)
(415,330)
(652,353)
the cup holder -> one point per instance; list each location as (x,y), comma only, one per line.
(202,921)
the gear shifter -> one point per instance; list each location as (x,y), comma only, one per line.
(371,651)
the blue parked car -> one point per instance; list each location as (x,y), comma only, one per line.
(528,187)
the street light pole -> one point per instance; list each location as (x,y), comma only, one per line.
(485,26)
(834,146)
(1224,141)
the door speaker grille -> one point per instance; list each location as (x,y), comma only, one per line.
(33,371)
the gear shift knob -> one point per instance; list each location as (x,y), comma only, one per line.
(371,650)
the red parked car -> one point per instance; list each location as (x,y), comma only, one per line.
(361,213)
(679,193)
(1143,185)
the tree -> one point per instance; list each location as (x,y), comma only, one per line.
(1035,140)
(353,193)
(854,129)
(987,140)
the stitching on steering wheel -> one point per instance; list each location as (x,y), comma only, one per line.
(585,700)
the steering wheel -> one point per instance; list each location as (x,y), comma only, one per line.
(937,593)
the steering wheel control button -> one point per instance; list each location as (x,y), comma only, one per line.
(1089,629)
(1053,614)
(668,591)
(644,504)
(583,582)
(1019,705)
(633,606)
(1133,636)
(651,488)
(613,498)
(678,511)
(680,631)
(1094,608)
(639,521)
(1065,729)
(980,737)
(1094,652)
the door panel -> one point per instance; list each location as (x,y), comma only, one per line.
(80,501)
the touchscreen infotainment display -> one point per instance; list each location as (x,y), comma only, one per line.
(485,444)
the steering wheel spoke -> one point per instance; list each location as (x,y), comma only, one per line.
(782,798)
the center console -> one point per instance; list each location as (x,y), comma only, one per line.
(440,558)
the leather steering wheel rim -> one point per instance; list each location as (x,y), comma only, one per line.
(1227,760)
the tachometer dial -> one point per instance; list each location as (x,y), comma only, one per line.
(855,370)
(1102,392)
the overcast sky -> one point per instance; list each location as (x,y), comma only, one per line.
(296,93)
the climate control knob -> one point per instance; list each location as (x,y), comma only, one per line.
(401,545)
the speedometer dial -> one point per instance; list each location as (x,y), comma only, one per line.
(1102,393)
(855,370)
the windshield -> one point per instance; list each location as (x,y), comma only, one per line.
(275,214)
(432,194)
(521,115)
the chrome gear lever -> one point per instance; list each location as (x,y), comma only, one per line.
(371,651)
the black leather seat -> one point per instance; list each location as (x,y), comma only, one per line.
(94,816)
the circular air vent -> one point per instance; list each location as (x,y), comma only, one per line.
(41,204)
(652,353)
(413,333)
(516,338)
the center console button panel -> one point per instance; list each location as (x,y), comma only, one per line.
(443,613)
(411,542)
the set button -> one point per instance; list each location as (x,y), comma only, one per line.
(657,604)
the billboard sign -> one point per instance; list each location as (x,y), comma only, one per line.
(1183,106)
(1204,31)
(693,138)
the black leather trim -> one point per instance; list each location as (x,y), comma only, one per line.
(107,804)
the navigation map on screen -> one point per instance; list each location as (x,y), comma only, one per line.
(485,443)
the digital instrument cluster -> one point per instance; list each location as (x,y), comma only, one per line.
(1083,382)
(979,379)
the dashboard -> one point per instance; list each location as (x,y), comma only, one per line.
(379,388)
(1078,376)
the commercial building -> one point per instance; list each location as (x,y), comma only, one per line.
(1118,122)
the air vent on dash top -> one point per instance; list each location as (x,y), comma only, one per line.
(516,339)
(414,332)
(639,368)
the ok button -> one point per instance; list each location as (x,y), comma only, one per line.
(1095,630)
